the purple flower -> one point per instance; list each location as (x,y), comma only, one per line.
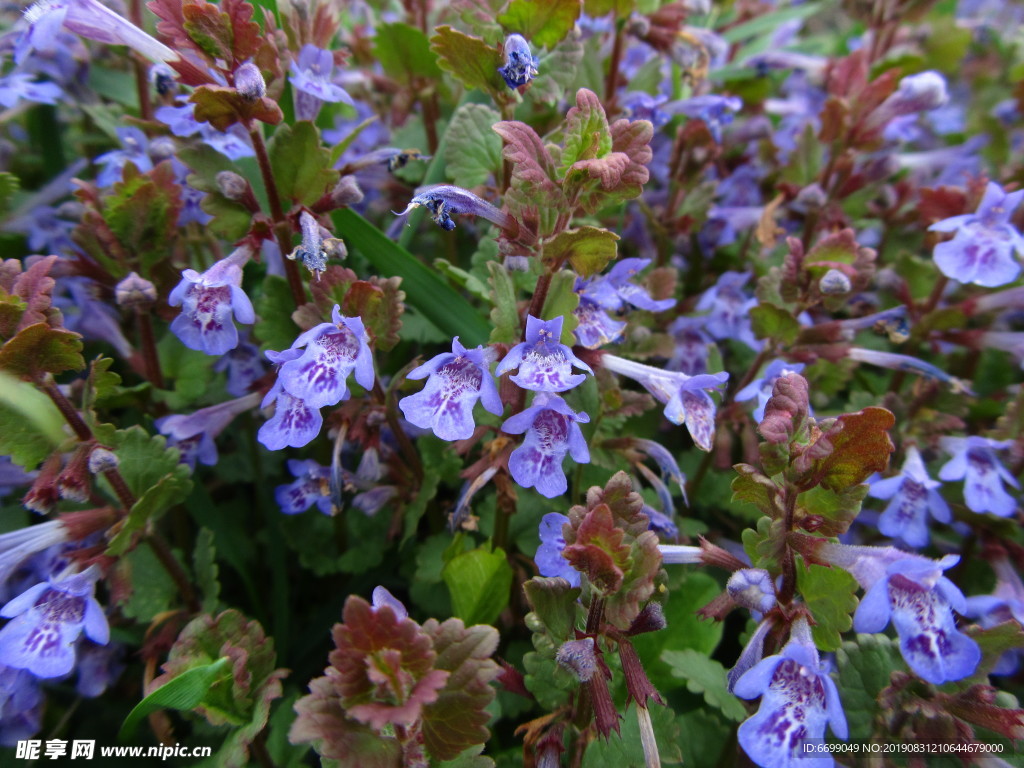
(545,364)
(920,601)
(207,302)
(193,434)
(594,327)
(444,200)
(87,315)
(549,554)
(18,86)
(46,622)
(798,698)
(1005,604)
(974,461)
(520,64)
(98,667)
(753,589)
(233,143)
(638,105)
(898,362)
(294,422)
(311,486)
(913,494)
(456,381)
(762,388)
(312,78)
(692,344)
(552,430)
(21,705)
(18,545)
(135,148)
(716,111)
(382,598)
(684,396)
(729,305)
(982,251)
(616,288)
(244,365)
(319,376)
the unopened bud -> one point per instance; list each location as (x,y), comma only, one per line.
(812,197)
(42,496)
(249,82)
(650,619)
(834,283)
(346,192)
(161,148)
(101,460)
(920,92)
(578,657)
(135,291)
(753,589)
(334,248)
(232,185)
(73,482)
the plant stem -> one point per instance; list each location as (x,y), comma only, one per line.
(281,226)
(788,588)
(611,82)
(150,360)
(141,77)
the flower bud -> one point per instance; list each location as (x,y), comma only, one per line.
(920,92)
(650,619)
(161,148)
(249,82)
(73,483)
(102,460)
(135,291)
(232,185)
(753,589)
(578,657)
(834,283)
(346,192)
(42,497)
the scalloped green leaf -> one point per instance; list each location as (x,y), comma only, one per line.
(473,151)
(706,676)
(301,164)
(831,596)
(541,22)
(480,583)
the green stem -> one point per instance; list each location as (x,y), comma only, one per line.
(170,563)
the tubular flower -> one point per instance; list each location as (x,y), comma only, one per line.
(207,302)
(544,363)
(552,430)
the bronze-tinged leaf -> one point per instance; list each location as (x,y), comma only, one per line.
(533,169)
(321,721)
(633,139)
(786,410)
(458,719)
(208,28)
(29,298)
(469,59)
(223,107)
(599,550)
(380,304)
(587,134)
(39,349)
(941,203)
(620,497)
(142,213)
(376,651)
(849,451)
(246,36)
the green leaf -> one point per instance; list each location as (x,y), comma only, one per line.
(301,164)
(469,59)
(143,458)
(624,749)
(837,510)
(554,603)
(587,249)
(153,591)
(31,427)
(9,185)
(558,69)
(864,669)
(473,151)
(541,22)
(39,349)
(994,642)
(703,736)
(707,676)
(562,299)
(689,591)
(479,582)
(771,322)
(596,8)
(769,22)
(587,134)
(755,488)
(764,546)
(505,315)
(168,491)
(204,564)
(831,596)
(185,692)
(404,53)
(424,289)
(274,307)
